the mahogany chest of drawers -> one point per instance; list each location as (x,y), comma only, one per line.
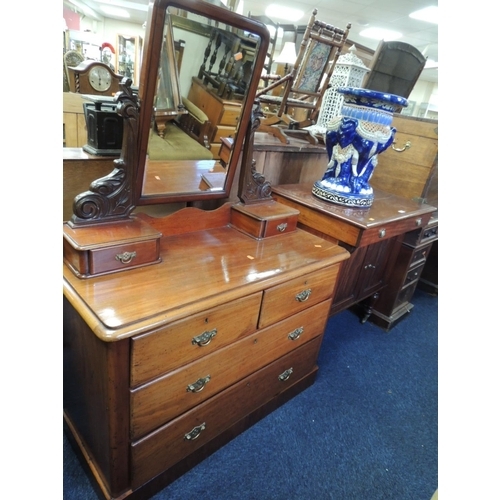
(166,363)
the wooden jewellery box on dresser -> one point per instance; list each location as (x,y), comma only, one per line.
(182,331)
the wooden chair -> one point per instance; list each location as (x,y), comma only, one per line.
(395,68)
(305,85)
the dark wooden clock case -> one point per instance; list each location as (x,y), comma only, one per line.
(104,127)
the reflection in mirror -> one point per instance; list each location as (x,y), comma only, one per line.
(200,103)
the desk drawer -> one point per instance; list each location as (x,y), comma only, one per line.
(157,402)
(296,295)
(120,257)
(414,274)
(163,350)
(420,254)
(163,448)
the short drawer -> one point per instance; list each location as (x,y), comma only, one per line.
(296,295)
(414,274)
(405,295)
(429,233)
(263,220)
(230,114)
(163,448)
(384,232)
(156,403)
(420,254)
(120,257)
(420,236)
(182,342)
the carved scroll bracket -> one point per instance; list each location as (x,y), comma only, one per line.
(253,187)
(112,198)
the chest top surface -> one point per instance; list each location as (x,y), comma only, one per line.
(199,270)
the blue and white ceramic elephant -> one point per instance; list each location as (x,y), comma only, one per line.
(353,142)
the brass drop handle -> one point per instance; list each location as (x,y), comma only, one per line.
(296,333)
(195,433)
(285,375)
(404,148)
(199,385)
(205,338)
(281,227)
(126,257)
(303,296)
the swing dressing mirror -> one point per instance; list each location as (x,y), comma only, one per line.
(199,76)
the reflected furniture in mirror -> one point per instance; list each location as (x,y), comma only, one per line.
(182,331)
(273,28)
(305,85)
(128,57)
(213,57)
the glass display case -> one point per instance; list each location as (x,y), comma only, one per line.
(128,56)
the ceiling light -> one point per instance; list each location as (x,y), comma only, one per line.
(114,11)
(282,12)
(381,34)
(429,14)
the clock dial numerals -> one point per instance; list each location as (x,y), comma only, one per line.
(100,79)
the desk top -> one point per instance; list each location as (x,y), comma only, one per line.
(389,215)
(266,142)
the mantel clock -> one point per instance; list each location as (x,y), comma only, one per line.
(93,77)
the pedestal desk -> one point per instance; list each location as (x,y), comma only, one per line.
(388,243)
(164,364)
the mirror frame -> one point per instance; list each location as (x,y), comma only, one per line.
(148,85)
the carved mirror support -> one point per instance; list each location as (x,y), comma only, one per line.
(253,186)
(112,198)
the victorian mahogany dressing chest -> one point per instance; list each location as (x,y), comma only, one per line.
(182,331)
(165,363)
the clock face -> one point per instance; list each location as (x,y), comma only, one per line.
(100,79)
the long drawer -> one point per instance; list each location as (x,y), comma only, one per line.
(163,350)
(296,295)
(166,446)
(157,402)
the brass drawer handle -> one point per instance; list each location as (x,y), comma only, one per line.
(195,433)
(126,257)
(199,385)
(285,375)
(281,227)
(296,333)
(404,148)
(303,296)
(381,233)
(205,338)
